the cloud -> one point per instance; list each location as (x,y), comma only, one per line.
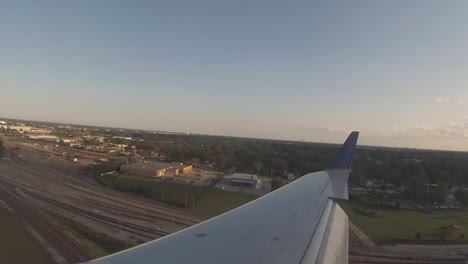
(421,128)
(441,99)
(339,129)
(450,130)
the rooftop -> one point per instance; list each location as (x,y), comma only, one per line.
(149,166)
(244,176)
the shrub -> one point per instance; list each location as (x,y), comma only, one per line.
(417,236)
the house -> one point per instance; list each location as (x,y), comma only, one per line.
(291,176)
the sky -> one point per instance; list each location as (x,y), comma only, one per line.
(395,70)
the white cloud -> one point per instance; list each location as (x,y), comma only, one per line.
(450,130)
(421,128)
(441,99)
(339,129)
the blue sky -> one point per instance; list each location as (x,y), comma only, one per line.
(312,70)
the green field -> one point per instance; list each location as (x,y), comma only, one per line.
(207,200)
(17,245)
(385,224)
(377,215)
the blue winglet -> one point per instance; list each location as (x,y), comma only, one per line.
(344,156)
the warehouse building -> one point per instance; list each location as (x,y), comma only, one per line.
(143,169)
(156,169)
(244,179)
(182,167)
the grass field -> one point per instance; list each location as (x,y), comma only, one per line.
(385,224)
(207,199)
(17,244)
(378,217)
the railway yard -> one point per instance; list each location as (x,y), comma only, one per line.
(35,183)
(33,179)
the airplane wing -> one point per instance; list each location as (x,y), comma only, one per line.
(297,223)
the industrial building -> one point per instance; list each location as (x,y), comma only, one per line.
(244,179)
(156,169)
(44,138)
(21,129)
(182,167)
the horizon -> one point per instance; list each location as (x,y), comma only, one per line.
(339,143)
(394,70)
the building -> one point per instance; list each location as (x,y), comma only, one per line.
(182,167)
(44,138)
(39,130)
(72,140)
(156,169)
(244,179)
(291,176)
(21,129)
(150,170)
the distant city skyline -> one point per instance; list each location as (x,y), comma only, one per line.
(397,71)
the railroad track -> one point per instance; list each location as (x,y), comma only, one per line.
(120,196)
(146,215)
(168,214)
(122,211)
(110,221)
(68,249)
(126,226)
(116,223)
(164,213)
(376,255)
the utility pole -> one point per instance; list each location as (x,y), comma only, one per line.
(120,225)
(193,203)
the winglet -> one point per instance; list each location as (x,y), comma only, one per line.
(344,156)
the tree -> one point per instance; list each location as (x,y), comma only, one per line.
(276,183)
(258,166)
(397,205)
(417,236)
(462,197)
(2,149)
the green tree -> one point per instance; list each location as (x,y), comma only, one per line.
(397,206)
(462,197)
(258,166)
(417,236)
(2,149)
(276,183)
